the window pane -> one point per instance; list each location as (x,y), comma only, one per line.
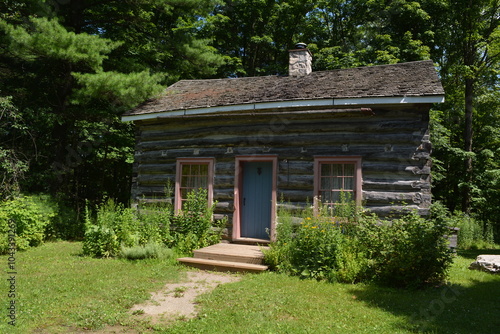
(337,183)
(203,170)
(349,170)
(349,183)
(326,183)
(326,170)
(195,170)
(203,182)
(185,181)
(186,169)
(337,170)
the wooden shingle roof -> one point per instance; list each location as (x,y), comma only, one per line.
(412,79)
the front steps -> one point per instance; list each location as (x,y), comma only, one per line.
(228,257)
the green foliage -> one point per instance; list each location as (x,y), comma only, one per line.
(112,227)
(100,241)
(73,68)
(47,37)
(316,248)
(31,215)
(148,251)
(147,231)
(125,90)
(193,225)
(472,234)
(155,220)
(12,166)
(407,252)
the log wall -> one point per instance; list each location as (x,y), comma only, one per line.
(394,145)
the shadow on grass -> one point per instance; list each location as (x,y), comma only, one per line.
(453,308)
(473,253)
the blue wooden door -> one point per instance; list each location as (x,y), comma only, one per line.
(256,199)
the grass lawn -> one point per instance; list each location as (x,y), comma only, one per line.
(60,291)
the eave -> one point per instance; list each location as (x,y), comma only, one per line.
(363,101)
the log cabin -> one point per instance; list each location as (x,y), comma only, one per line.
(312,134)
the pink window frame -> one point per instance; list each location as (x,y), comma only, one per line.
(178,177)
(238,188)
(356,160)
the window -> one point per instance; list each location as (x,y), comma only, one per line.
(193,174)
(336,175)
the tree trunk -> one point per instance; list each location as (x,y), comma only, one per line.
(469,94)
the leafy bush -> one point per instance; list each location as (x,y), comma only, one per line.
(32,215)
(408,252)
(100,241)
(117,230)
(193,226)
(113,227)
(154,223)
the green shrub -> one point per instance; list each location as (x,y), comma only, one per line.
(194,226)
(100,241)
(279,252)
(148,251)
(32,215)
(316,248)
(408,252)
(113,227)
(154,223)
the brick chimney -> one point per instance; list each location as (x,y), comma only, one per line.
(300,60)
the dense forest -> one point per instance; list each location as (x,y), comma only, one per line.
(69,69)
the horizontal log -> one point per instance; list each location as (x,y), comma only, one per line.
(396,211)
(298,182)
(295,196)
(221,194)
(223,207)
(293,207)
(155,179)
(165,168)
(202,128)
(295,167)
(394,185)
(287,155)
(284,140)
(388,197)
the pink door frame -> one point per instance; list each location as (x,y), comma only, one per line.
(238,186)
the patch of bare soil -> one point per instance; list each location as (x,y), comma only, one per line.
(177,300)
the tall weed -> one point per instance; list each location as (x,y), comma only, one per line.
(472,234)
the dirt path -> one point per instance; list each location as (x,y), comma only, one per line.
(175,301)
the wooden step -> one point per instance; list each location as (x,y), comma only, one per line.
(232,253)
(217,265)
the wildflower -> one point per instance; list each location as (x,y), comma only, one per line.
(308,218)
(314,227)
